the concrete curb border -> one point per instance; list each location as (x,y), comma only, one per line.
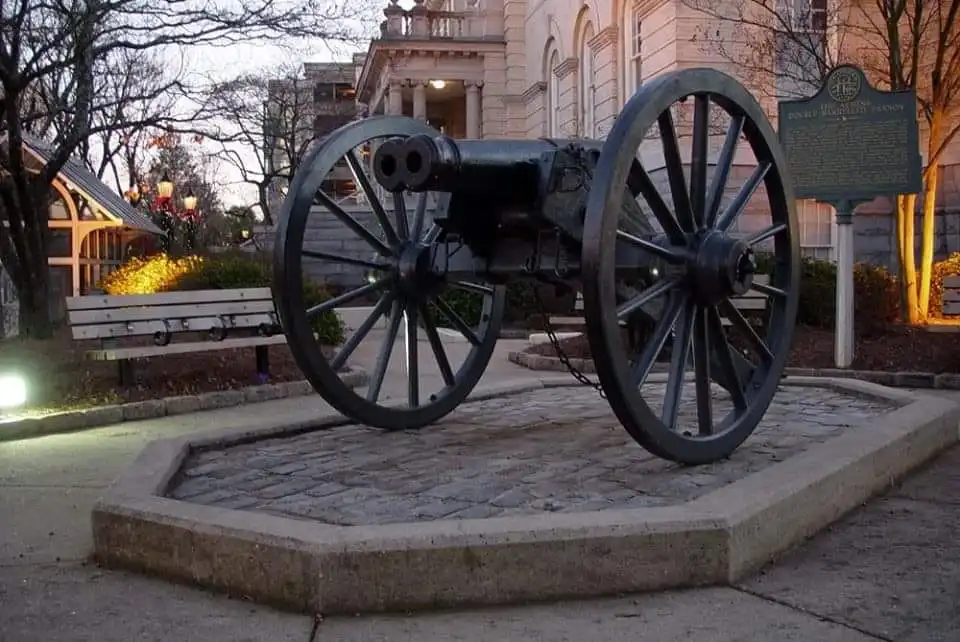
(715,539)
(893,379)
(75,420)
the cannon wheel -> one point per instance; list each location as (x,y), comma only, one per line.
(706,265)
(404,288)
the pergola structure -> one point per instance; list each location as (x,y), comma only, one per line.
(92,228)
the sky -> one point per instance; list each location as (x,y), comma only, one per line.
(232,61)
(225,62)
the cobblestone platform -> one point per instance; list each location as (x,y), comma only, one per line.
(550,450)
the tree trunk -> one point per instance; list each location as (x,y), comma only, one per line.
(906,205)
(35,321)
(263,197)
(927,242)
(931,179)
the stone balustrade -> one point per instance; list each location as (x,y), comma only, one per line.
(422,24)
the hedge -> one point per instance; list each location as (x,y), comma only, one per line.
(876,297)
(876,301)
(161,273)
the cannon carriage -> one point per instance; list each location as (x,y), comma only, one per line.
(581,214)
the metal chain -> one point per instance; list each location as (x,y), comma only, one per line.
(564,359)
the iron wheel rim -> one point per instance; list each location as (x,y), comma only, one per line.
(599,275)
(292,309)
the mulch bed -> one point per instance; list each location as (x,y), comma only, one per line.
(61,378)
(899,349)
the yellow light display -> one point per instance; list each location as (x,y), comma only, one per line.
(149,275)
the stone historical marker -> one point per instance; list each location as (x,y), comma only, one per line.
(846,145)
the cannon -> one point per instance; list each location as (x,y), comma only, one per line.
(664,248)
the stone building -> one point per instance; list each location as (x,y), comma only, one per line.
(565,68)
(302,110)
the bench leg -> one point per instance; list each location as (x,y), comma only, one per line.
(125,367)
(263,363)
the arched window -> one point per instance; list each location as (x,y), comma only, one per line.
(553,94)
(632,48)
(587,87)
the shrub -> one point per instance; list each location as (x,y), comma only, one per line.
(818,299)
(520,305)
(876,297)
(468,305)
(226,272)
(160,273)
(950,266)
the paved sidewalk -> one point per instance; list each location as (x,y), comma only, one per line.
(887,572)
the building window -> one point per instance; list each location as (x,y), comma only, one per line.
(632,48)
(801,47)
(817,229)
(587,87)
(553,94)
(818,19)
(324,92)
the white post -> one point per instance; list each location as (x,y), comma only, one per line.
(473,110)
(419,100)
(395,99)
(843,349)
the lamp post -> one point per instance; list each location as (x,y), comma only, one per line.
(175,221)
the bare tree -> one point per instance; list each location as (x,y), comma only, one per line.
(787,47)
(779,47)
(265,123)
(134,96)
(69,44)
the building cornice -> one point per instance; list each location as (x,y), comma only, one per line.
(533,91)
(566,67)
(604,39)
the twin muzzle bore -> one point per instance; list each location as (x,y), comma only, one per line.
(407,163)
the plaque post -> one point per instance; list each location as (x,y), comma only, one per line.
(848,144)
(843,344)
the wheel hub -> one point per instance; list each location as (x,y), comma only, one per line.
(415,270)
(723,266)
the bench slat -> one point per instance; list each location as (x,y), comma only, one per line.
(140,328)
(114,354)
(951,307)
(171,312)
(951,281)
(97,302)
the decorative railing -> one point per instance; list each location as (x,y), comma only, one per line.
(423,24)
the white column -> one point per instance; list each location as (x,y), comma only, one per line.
(473,110)
(395,99)
(843,348)
(419,100)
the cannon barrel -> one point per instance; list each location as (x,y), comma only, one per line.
(508,167)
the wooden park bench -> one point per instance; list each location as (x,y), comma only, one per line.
(951,296)
(207,320)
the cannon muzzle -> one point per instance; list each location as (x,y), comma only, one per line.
(389,167)
(418,163)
